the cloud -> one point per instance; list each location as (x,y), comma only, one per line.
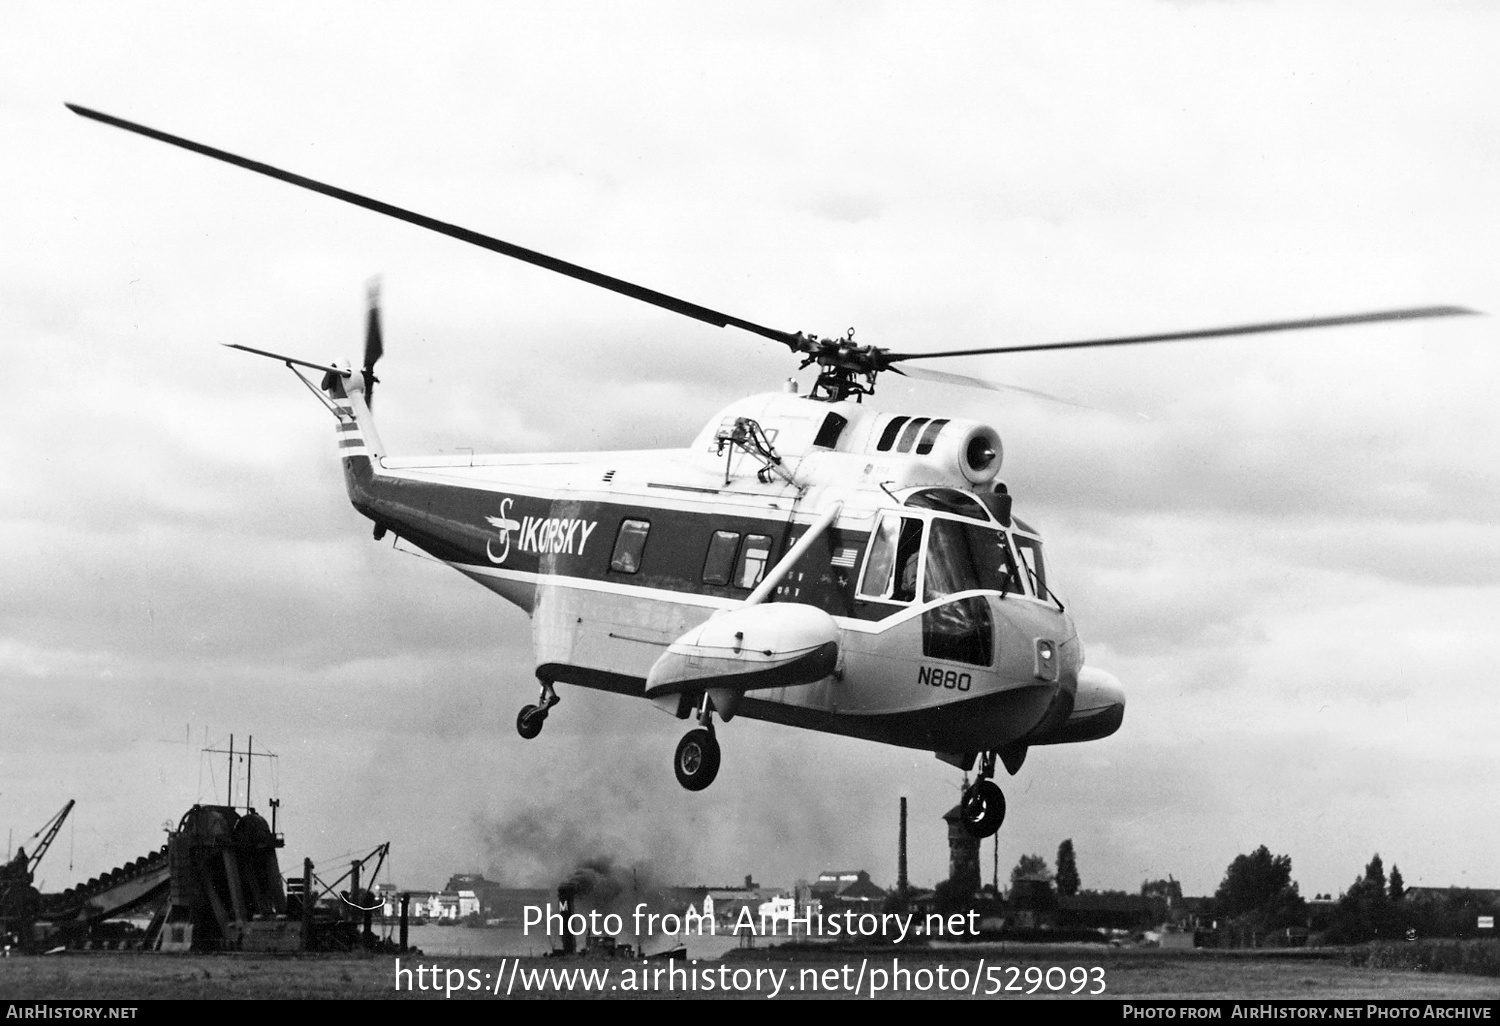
(1298,522)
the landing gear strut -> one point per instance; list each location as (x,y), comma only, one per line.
(983,806)
(531,717)
(697,760)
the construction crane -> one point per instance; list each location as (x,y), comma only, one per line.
(18,899)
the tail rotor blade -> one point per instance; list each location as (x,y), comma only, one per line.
(374,342)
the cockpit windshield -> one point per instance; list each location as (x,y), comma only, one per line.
(964,556)
(925,559)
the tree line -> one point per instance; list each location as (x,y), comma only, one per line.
(1259,902)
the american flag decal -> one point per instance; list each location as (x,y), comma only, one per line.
(844,557)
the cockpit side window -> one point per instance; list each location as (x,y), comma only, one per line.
(908,554)
(1030,550)
(894,559)
(876,583)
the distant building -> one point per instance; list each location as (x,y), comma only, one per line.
(846,887)
(418,907)
(725,904)
(484,890)
(777,913)
(722,904)
(442,906)
(508,904)
(1130,912)
(1032,905)
(964,877)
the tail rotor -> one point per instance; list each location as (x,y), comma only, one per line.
(374,342)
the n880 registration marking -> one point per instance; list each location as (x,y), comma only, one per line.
(936,676)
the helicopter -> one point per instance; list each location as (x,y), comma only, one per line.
(806,560)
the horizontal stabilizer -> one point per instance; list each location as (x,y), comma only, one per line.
(342,372)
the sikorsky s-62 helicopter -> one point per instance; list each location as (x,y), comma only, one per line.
(807,560)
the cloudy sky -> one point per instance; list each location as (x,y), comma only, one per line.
(1285,547)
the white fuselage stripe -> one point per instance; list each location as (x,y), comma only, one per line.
(773,509)
(688,598)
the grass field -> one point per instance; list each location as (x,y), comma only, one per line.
(1008,972)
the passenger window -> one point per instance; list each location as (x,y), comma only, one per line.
(720,562)
(629,544)
(753,559)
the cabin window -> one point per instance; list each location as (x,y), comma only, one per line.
(1030,550)
(754,556)
(966,557)
(892,565)
(720,562)
(629,544)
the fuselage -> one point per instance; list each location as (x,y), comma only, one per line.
(948,638)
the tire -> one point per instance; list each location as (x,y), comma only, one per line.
(697,760)
(529,721)
(982,809)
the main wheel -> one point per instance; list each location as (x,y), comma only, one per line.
(529,721)
(697,760)
(982,809)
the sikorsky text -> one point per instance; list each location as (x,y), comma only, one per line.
(895,925)
(537,534)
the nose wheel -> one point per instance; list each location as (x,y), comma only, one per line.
(530,719)
(697,759)
(982,809)
(982,806)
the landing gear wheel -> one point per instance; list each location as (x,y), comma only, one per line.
(531,717)
(982,809)
(529,721)
(697,759)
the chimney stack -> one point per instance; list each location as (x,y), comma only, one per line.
(901,881)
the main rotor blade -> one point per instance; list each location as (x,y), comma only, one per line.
(946,378)
(604,281)
(1177,336)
